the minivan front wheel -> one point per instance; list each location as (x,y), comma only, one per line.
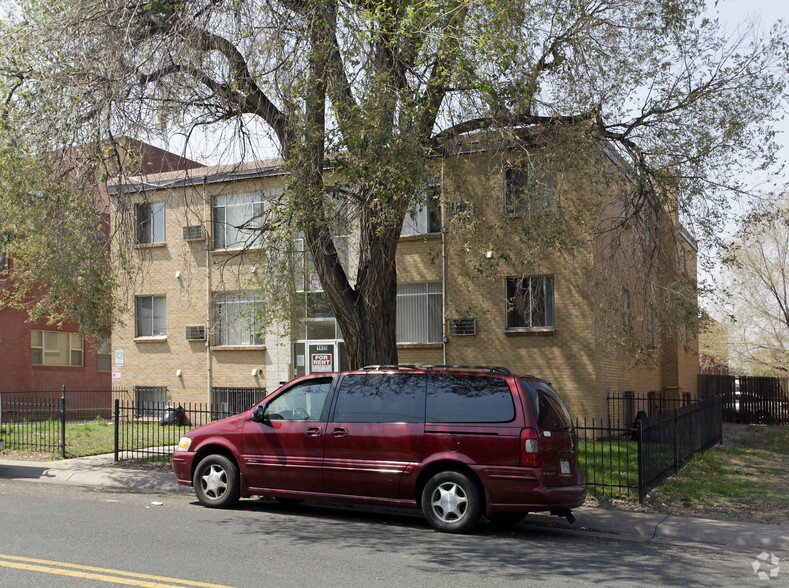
(216,482)
(452,502)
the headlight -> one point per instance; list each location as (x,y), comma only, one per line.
(184,444)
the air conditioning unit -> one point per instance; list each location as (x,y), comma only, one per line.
(193,233)
(196,333)
(462,326)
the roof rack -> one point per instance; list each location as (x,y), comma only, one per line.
(390,367)
(481,368)
(477,368)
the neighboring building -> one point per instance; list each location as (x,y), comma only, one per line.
(41,355)
(195,335)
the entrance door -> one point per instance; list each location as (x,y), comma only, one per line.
(319,357)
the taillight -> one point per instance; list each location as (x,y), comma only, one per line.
(530,448)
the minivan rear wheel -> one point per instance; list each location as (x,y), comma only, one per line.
(452,502)
(216,482)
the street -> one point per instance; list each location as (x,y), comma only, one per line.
(54,535)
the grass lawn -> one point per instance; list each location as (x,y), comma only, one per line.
(610,468)
(745,478)
(91,438)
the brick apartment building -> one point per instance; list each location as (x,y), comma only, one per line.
(42,355)
(193,336)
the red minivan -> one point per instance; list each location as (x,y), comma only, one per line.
(458,442)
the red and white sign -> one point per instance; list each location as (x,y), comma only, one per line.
(116,375)
(321,362)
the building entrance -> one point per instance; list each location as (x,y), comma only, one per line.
(316,357)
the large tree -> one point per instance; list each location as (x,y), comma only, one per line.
(381,85)
(752,332)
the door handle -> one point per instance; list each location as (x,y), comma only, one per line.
(313,432)
(339,432)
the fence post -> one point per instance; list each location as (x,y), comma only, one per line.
(676,440)
(63,422)
(640,448)
(117,426)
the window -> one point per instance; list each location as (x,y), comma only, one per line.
(468,399)
(237,318)
(530,302)
(151,401)
(419,313)
(237,220)
(306,275)
(56,348)
(150,222)
(3,259)
(304,402)
(549,410)
(526,190)
(650,328)
(426,217)
(104,355)
(151,316)
(381,398)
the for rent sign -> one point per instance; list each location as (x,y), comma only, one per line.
(321,362)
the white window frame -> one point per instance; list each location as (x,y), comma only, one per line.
(103,354)
(237,319)
(237,218)
(530,289)
(420,312)
(306,277)
(151,219)
(157,321)
(49,346)
(424,218)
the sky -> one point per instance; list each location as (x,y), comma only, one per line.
(734,13)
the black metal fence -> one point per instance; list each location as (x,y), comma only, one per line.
(629,461)
(624,409)
(151,430)
(36,419)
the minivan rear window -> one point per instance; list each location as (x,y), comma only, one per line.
(457,398)
(549,410)
(380,398)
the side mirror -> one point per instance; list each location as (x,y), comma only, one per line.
(259,414)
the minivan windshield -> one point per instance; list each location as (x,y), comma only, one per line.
(549,410)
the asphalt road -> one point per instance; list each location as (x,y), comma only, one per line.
(52,535)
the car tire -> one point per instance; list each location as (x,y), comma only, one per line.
(216,482)
(452,502)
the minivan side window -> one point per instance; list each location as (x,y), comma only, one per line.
(549,410)
(455,398)
(303,402)
(380,398)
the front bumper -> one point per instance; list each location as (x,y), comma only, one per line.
(182,466)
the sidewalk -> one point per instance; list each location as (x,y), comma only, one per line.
(635,526)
